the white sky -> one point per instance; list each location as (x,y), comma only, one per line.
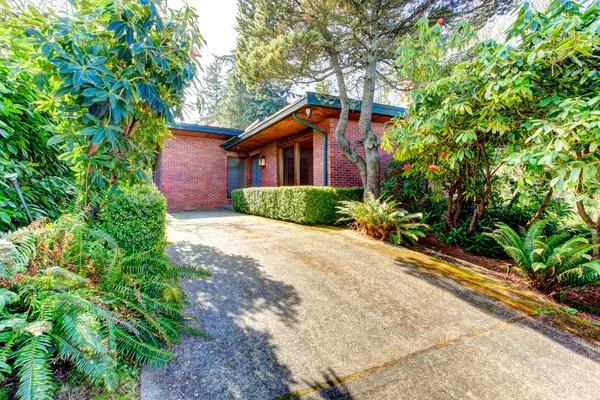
(217,22)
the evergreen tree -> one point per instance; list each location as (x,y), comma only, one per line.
(212,92)
(228,102)
(354,41)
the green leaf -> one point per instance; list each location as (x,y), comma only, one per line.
(574,176)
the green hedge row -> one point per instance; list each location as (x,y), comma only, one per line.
(301,204)
(136,218)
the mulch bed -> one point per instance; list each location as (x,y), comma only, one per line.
(585,300)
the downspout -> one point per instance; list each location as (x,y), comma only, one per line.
(297,118)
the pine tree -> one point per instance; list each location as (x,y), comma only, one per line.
(212,92)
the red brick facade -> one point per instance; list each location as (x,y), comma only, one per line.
(342,173)
(193,170)
(193,173)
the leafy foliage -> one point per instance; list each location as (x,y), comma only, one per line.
(301,204)
(382,219)
(70,292)
(549,263)
(47,185)
(530,106)
(116,71)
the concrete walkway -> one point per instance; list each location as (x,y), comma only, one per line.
(325,313)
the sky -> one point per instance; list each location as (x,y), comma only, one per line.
(217,25)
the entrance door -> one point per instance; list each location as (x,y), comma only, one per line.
(256,173)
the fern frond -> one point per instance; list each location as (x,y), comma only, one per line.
(33,369)
(140,352)
(97,368)
(584,274)
(83,330)
(535,230)
(66,274)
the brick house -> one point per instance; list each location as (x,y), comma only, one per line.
(200,167)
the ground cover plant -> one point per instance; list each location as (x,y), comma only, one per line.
(69,292)
(551,263)
(382,219)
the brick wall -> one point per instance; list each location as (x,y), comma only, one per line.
(342,173)
(268,174)
(318,141)
(193,173)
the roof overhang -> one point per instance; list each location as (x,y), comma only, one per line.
(282,123)
(204,131)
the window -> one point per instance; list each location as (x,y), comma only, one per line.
(306,162)
(297,164)
(288,166)
(236,174)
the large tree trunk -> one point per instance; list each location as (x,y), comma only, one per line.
(340,130)
(368,136)
(541,209)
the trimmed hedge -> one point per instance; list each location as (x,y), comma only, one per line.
(301,204)
(136,218)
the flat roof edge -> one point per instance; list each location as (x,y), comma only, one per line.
(310,98)
(206,129)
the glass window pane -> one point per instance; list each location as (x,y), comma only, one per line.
(306,163)
(288,166)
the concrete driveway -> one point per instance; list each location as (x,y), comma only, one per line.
(318,313)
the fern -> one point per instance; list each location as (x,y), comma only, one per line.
(79,297)
(33,365)
(550,264)
(382,219)
(98,369)
(141,352)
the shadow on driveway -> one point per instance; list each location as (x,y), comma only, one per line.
(239,361)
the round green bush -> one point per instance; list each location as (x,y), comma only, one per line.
(136,218)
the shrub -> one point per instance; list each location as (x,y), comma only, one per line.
(301,204)
(412,191)
(382,219)
(135,218)
(549,263)
(68,292)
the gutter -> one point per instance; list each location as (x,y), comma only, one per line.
(297,118)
